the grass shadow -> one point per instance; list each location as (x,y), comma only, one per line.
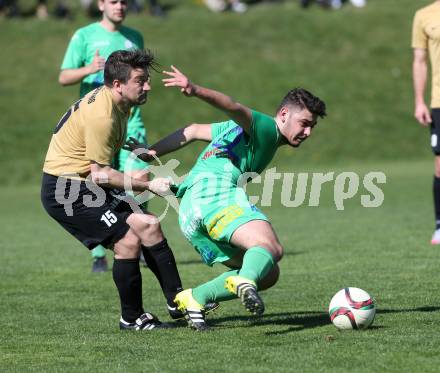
(296,321)
(405,310)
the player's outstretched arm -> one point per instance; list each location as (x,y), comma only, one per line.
(170,143)
(182,137)
(239,113)
(106,176)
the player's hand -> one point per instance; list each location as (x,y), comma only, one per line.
(140,149)
(160,186)
(97,63)
(178,79)
(422,115)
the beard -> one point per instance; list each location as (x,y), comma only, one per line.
(142,100)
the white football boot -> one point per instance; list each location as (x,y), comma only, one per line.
(435,240)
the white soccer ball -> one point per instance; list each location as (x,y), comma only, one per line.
(352,308)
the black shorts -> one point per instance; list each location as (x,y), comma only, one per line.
(94,215)
(435,131)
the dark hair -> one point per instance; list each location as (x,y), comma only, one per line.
(301,98)
(120,63)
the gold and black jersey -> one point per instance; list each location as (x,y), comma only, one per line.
(426,35)
(92,130)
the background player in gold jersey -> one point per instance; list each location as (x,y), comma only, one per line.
(426,41)
(83,193)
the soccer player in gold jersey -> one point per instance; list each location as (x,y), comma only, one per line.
(83,63)
(426,44)
(84,194)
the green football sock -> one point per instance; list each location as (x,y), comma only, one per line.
(98,252)
(214,290)
(257,263)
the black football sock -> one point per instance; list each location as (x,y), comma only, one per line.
(160,260)
(128,279)
(436,191)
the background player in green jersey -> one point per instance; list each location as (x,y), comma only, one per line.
(84,62)
(215,214)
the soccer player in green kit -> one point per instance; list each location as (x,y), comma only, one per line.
(215,214)
(84,62)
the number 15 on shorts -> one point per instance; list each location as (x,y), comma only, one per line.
(109,218)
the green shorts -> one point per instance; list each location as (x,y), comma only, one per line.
(208,217)
(122,161)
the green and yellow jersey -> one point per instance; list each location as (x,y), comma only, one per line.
(232,152)
(213,204)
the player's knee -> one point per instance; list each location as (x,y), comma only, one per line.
(153,230)
(128,247)
(272,245)
(132,241)
(279,252)
(270,279)
(275,249)
(150,231)
(147,226)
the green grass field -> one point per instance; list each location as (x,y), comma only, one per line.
(357,60)
(57,316)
